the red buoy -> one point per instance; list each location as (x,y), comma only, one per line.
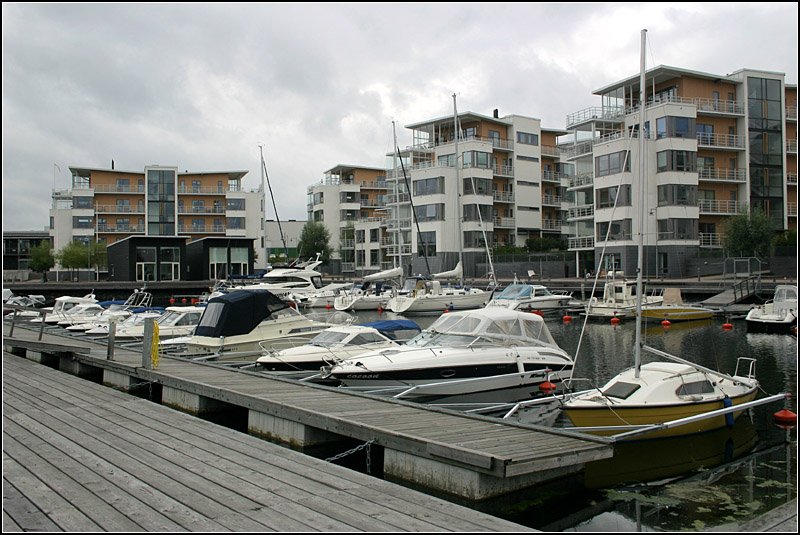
(183,300)
(171,300)
(547,387)
(380,310)
(615,321)
(567,318)
(328,306)
(539,312)
(727,326)
(666,323)
(785,419)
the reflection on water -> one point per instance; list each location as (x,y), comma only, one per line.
(714,480)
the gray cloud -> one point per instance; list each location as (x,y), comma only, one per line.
(201,86)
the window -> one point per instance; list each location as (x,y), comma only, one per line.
(82,202)
(705,133)
(198,206)
(447,160)
(677,195)
(426,244)
(611,164)
(483,186)
(471,212)
(235,223)
(473,158)
(123,184)
(81,222)
(429,186)
(676,160)
(429,212)
(235,204)
(620,230)
(677,229)
(474,238)
(527,139)
(606,197)
(675,127)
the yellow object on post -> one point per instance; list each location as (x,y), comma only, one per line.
(154,346)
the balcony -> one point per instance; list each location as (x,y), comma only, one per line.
(503,170)
(505,222)
(591,114)
(720,141)
(582,242)
(118,209)
(580,181)
(201,229)
(791,178)
(122,229)
(113,188)
(548,150)
(791,146)
(713,206)
(791,209)
(710,240)
(581,212)
(503,196)
(551,200)
(791,113)
(552,225)
(722,175)
(550,176)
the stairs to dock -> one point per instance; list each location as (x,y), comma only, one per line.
(737,293)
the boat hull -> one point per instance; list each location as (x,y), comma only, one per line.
(677,313)
(603,416)
(437,303)
(770,327)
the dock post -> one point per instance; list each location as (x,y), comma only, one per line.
(112,331)
(147,358)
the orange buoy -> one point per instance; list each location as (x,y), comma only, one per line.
(666,322)
(547,387)
(785,419)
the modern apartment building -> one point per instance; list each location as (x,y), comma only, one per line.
(716,145)
(351,202)
(499,182)
(109,205)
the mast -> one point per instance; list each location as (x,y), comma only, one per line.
(264,207)
(459,215)
(278,219)
(396,209)
(642,182)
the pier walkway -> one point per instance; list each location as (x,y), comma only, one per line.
(78,456)
(469,456)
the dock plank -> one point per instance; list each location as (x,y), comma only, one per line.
(133,444)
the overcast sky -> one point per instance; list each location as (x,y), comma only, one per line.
(201,86)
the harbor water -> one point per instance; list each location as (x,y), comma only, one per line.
(712,481)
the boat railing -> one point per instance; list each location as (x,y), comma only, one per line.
(751,367)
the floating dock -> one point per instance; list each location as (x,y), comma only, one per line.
(469,456)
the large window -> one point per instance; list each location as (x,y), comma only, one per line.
(677,195)
(619,230)
(474,238)
(611,164)
(677,229)
(161,202)
(145,263)
(471,212)
(676,160)
(483,186)
(675,127)
(429,212)
(429,186)
(607,197)
(474,158)
(527,139)
(426,244)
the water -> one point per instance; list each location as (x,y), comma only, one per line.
(710,481)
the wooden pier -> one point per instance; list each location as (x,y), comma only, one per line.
(81,457)
(469,456)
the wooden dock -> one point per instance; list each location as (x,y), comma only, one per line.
(469,456)
(78,456)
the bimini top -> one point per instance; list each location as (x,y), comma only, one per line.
(237,312)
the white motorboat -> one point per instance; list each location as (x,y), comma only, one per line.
(136,318)
(336,344)
(243,323)
(62,305)
(176,321)
(530,297)
(27,301)
(482,355)
(369,296)
(322,298)
(86,320)
(301,279)
(659,399)
(619,298)
(778,315)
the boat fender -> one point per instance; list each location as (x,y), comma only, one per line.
(728,402)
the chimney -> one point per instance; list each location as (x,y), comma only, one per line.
(112,165)
(496,113)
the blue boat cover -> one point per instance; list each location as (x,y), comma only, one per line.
(385,326)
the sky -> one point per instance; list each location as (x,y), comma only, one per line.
(201,86)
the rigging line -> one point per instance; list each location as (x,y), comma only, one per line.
(492,277)
(274,207)
(599,263)
(413,211)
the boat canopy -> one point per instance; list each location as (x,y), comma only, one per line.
(238,312)
(389,326)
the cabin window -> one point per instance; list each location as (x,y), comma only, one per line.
(695,387)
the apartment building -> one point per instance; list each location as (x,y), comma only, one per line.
(351,201)
(109,205)
(715,146)
(498,183)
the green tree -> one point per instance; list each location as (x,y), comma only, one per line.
(42,258)
(315,238)
(748,234)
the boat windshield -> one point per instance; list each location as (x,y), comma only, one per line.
(328,338)
(461,330)
(515,291)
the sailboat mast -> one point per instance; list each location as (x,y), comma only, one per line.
(459,215)
(278,219)
(396,208)
(642,182)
